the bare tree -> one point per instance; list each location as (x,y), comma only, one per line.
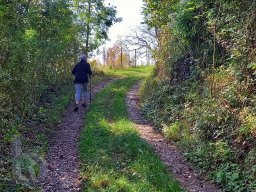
(144,40)
(143,37)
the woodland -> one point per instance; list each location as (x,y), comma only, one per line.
(201,94)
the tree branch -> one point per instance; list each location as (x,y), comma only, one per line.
(27,6)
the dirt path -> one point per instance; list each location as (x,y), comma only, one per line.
(169,154)
(62,159)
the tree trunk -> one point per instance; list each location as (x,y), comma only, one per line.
(27,6)
(88,30)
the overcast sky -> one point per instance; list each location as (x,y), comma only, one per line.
(130,12)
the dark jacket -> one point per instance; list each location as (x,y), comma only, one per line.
(81,72)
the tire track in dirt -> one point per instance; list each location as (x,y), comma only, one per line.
(168,153)
(62,159)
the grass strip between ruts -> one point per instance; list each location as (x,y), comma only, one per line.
(113,156)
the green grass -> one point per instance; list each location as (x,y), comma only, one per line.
(113,156)
(140,72)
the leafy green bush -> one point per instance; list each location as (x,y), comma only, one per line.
(215,132)
(177,131)
(148,87)
(166,107)
(230,175)
(206,61)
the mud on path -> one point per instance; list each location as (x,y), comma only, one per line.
(189,179)
(62,159)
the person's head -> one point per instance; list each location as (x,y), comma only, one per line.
(83,57)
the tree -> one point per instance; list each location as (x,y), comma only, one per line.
(94,18)
(208,50)
(37,41)
(144,40)
(118,55)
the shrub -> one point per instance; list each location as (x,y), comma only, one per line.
(148,87)
(177,131)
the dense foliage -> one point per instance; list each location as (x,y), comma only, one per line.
(39,43)
(204,85)
(94,19)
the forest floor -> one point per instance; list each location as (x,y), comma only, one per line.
(109,155)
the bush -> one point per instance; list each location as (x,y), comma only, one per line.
(148,87)
(167,105)
(216,132)
(177,131)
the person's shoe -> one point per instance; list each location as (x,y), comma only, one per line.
(76,108)
(84,105)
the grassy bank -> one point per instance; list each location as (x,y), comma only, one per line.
(113,156)
(216,131)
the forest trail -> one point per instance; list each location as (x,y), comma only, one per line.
(62,158)
(168,153)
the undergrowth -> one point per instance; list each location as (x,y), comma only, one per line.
(216,129)
(33,132)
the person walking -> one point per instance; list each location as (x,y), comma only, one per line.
(82,72)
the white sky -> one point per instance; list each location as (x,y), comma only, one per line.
(130,12)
